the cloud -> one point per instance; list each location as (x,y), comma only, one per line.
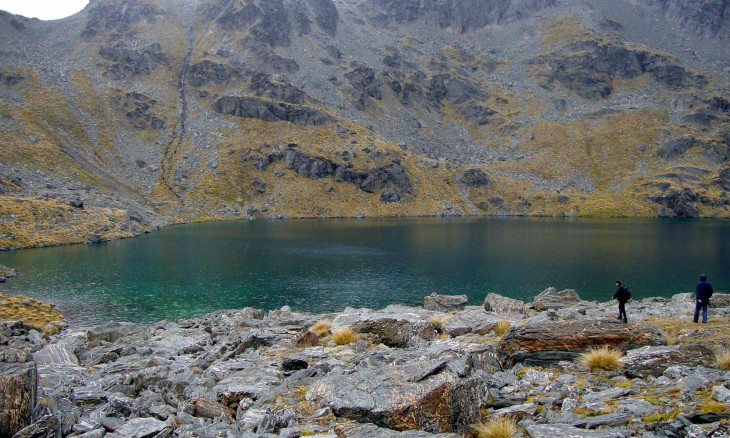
(43,9)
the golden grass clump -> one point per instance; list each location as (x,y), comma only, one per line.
(32,313)
(345,336)
(604,358)
(502,427)
(723,360)
(501,327)
(321,328)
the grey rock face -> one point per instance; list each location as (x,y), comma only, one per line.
(653,361)
(444,303)
(548,342)
(550,298)
(139,428)
(460,15)
(360,430)
(252,108)
(437,403)
(209,72)
(474,178)
(499,304)
(567,431)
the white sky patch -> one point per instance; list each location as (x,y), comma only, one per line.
(43,9)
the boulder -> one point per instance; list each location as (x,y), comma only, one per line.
(444,303)
(567,431)
(499,304)
(548,342)
(140,428)
(360,430)
(471,320)
(654,360)
(199,407)
(394,326)
(250,383)
(18,390)
(439,402)
(267,420)
(721,394)
(48,426)
(550,298)
(473,178)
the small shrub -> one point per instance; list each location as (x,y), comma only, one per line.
(502,427)
(321,328)
(723,360)
(345,336)
(604,358)
(501,327)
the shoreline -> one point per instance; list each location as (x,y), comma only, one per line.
(437,370)
(158,227)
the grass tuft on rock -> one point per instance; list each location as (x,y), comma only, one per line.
(345,336)
(501,327)
(723,360)
(502,427)
(604,358)
(321,328)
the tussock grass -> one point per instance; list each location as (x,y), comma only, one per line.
(604,358)
(321,328)
(33,313)
(345,336)
(502,427)
(501,327)
(723,360)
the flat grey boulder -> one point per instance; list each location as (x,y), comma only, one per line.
(615,419)
(366,430)
(499,304)
(550,298)
(445,303)
(251,383)
(471,320)
(654,360)
(567,431)
(405,397)
(393,326)
(721,394)
(139,428)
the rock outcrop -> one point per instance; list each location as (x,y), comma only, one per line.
(245,373)
(544,343)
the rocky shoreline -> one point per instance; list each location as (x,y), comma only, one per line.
(409,372)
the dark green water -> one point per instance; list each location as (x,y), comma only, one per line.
(325,265)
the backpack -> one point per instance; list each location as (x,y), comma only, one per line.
(628,293)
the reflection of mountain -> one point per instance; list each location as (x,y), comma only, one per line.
(246,108)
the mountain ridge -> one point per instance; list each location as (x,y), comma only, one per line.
(223,109)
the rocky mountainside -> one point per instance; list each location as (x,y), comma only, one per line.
(134,114)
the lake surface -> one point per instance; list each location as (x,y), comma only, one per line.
(326,265)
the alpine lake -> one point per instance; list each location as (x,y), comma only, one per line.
(325,265)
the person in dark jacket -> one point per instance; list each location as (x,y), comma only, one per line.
(703,292)
(622,296)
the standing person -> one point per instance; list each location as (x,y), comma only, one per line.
(622,295)
(703,292)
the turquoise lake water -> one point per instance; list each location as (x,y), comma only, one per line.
(326,265)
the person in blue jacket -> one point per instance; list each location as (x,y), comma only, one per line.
(703,292)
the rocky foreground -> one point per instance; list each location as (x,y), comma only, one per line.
(404,372)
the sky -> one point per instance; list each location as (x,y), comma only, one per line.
(43,9)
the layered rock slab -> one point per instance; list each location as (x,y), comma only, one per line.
(548,342)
